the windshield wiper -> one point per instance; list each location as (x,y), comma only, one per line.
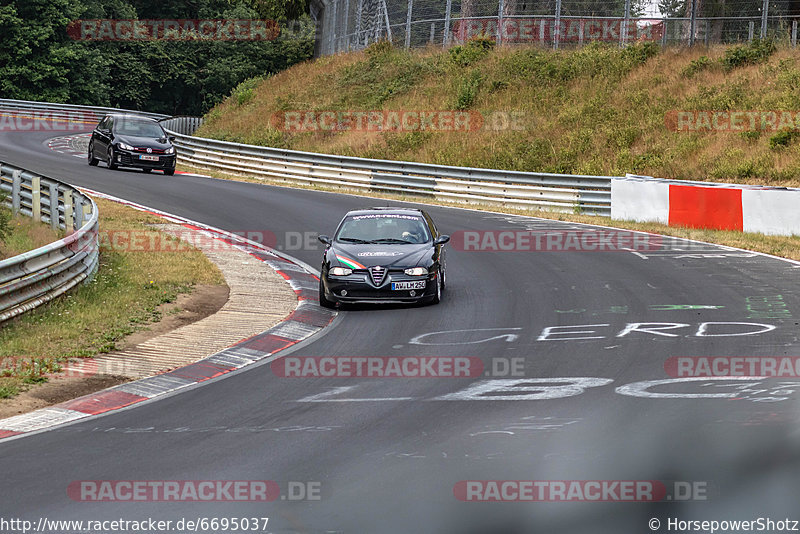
(353,240)
(391,240)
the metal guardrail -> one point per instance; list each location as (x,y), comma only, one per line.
(33,278)
(557,192)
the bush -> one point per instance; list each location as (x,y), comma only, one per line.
(243,93)
(472,51)
(698,65)
(468,90)
(755,52)
(782,138)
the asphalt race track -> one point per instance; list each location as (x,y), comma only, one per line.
(388,454)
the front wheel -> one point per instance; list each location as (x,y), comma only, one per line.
(92,160)
(111,164)
(323,301)
(437,297)
(169,172)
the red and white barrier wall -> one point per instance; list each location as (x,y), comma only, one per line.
(766,210)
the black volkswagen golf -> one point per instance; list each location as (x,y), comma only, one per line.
(132,141)
(383,255)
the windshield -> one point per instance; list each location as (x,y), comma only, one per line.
(138,128)
(383,228)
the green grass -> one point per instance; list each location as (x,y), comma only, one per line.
(122,298)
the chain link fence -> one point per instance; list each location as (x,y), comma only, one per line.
(345,25)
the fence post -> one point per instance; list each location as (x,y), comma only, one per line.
(36,199)
(764,13)
(359,10)
(346,24)
(557,26)
(794,33)
(664,28)
(693,23)
(408,23)
(53,194)
(446,32)
(334,48)
(433,32)
(500,22)
(751,31)
(708,32)
(386,17)
(623,34)
(16,188)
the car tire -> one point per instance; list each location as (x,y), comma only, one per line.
(323,301)
(92,160)
(111,165)
(147,171)
(169,172)
(437,297)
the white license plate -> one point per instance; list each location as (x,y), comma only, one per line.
(399,286)
(148,158)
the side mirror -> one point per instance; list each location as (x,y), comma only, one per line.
(171,138)
(441,240)
(324,239)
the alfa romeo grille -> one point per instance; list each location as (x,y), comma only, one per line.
(377,274)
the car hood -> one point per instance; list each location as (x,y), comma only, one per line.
(390,256)
(145,142)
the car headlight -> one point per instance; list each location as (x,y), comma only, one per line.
(340,271)
(416,271)
(170,150)
(125,147)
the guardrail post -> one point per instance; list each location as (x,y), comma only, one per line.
(69,223)
(36,198)
(16,187)
(78,203)
(52,192)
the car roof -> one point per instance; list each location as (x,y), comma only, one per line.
(129,116)
(388,210)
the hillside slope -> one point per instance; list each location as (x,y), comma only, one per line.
(595,110)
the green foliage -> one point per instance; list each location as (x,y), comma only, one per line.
(471,52)
(5,218)
(783,138)
(39,61)
(697,65)
(468,90)
(757,51)
(243,93)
